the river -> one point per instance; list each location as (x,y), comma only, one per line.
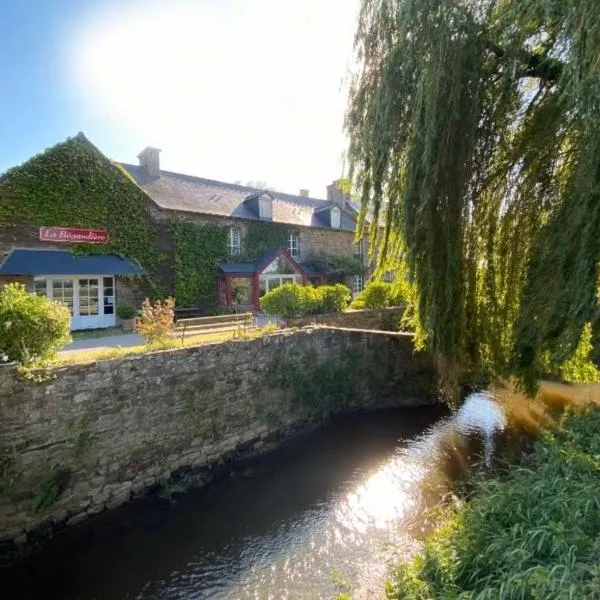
(327,514)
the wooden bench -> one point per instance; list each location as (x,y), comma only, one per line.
(233,322)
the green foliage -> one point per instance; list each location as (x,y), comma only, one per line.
(73,185)
(288,300)
(578,368)
(377,294)
(262,237)
(197,249)
(337,268)
(332,298)
(80,441)
(32,328)
(51,489)
(474,135)
(126,311)
(293,300)
(533,533)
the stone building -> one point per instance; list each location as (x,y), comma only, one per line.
(83,229)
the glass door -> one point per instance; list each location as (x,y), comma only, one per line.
(94,305)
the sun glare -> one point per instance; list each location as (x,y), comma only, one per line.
(252,87)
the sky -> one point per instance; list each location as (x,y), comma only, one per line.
(236,90)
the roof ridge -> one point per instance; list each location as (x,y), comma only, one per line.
(237,186)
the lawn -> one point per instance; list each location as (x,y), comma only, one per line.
(93,355)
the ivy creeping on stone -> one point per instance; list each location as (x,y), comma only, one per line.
(197,249)
(74,185)
(262,237)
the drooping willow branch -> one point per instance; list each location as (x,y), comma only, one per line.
(480,160)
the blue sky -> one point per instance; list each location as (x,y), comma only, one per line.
(229,89)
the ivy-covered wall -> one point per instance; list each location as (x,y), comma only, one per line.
(263,236)
(197,249)
(73,184)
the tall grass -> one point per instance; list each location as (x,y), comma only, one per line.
(531,533)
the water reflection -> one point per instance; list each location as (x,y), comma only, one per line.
(327,515)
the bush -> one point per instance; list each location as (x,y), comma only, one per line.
(294,300)
(32,328)
(334,298)
(156,324)
(379,294)
(126,311)
(287,301)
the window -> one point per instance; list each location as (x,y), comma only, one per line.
(294,244)
(265,207)
(40,286)
(336,217)
(109,295)
(388,276)
(234,241)
(358,284)
(62,291)
(88,297)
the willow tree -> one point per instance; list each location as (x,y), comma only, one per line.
(474,131)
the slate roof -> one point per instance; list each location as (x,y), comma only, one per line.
(175,191)
(21,261)
(256,266)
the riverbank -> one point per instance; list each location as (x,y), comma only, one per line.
(532,532)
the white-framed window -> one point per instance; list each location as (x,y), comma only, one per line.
(358,284)
(234,241)
(294,244)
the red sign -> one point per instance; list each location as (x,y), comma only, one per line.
(68,234)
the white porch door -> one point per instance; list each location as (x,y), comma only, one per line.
(93,305)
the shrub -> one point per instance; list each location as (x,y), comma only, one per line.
(32,328)
(334,298)
(294,300)
(286,301)
(380,294)
(156,322)
(126,311)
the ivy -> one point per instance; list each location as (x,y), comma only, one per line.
(197,249)
(74,185)
(337,268)
(262,237)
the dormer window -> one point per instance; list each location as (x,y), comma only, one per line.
(265,207)
(336,217)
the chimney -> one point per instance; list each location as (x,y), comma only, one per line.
(304,193)
(150,161)
(336,195)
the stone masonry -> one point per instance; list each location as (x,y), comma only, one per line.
(77,440)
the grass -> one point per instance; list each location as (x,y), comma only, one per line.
(94,355)
(530,533)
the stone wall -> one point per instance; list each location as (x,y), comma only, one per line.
(77,440)
(385,319)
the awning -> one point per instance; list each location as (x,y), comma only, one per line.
(62,262)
